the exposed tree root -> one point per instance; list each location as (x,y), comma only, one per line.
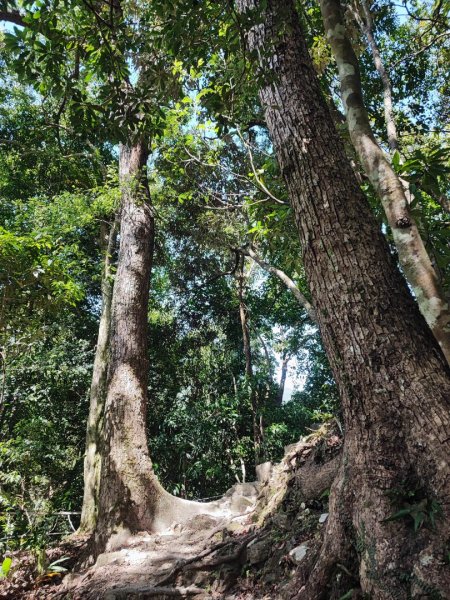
(189,563)
(386,533)
(183,560)
(145,591)
(335,551)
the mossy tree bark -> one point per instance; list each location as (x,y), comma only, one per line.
(94,430)
(393,379)
(131,499)
(129,489)
(413,256)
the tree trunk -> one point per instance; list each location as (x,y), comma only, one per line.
(392,376)
(131,499)
(129,489)
(243,314)
(94,431)
(366,26)
(413,256)
(284,370)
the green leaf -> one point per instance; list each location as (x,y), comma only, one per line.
(396,160)
(6,566)
(404,512)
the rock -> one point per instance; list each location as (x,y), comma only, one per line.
(241,497)
(298,554)
(264,471)
(323,517)
(243,489)
(200,523)
(258,550)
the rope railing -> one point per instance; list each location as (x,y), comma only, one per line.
(55,515)
(69,514)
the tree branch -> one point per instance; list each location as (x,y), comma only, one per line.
(12,16)
(301,299)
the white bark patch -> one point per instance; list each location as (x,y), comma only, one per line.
(352,117)
(431,309)
(305,142)
(403,236)
(426,560)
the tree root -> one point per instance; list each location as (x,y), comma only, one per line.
(176,592)
(336,548)
(189,564)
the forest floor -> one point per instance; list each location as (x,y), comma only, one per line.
(267,534)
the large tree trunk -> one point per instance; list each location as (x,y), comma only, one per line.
(392,376)
(129,489)
(412,253)
(131,499)
(94,431)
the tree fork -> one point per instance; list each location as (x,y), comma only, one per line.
(392,377)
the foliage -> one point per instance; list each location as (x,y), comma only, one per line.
(5,567)
(79,78)
(414,506)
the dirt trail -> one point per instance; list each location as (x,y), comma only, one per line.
(148,565)
(255,545)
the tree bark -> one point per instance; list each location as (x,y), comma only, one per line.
(366,26)
(284,370)
(129,490)
(243,315)
(413,256)
(393,380)
(94,431)
(131,499)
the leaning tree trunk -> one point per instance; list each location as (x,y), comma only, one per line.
(301,299)
(392,376)
(412,253)
(388,105)
(131,499)
(94,430)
